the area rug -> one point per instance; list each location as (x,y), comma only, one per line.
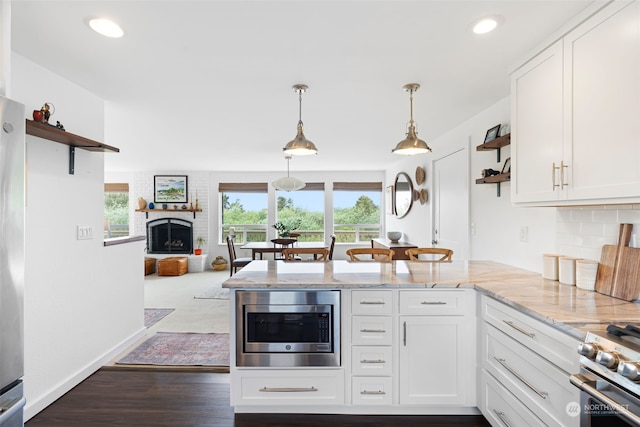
(154,315)
(214,293)
(181,349)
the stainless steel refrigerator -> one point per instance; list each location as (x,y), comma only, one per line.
(12,203)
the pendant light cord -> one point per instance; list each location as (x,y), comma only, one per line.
(300,106)
(411,106)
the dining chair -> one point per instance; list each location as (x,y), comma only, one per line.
(430,253)
(313,254)
(235,262)
(377,254)
(331,246)
(282,243)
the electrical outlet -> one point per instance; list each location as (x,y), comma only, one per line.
(473,228)
(524,233)
(85,232)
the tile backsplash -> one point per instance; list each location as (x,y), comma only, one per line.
(582,230)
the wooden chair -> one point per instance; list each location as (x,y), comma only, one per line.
(377,254)
(331,246)
(282,243)
(316,254)
(235,262)
(414,254)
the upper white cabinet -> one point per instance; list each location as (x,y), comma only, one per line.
(576,115)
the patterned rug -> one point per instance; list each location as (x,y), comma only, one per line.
(154,315)
(214,293)
(181,349)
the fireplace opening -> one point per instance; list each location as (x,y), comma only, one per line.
(169,236)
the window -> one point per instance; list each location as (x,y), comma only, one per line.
(116,210)
(244,207)
(303,210)
(356,211)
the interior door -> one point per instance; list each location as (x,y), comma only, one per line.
(450,202)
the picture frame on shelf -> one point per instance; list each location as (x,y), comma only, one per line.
(170,188)
(388,198)
(506,168)
(492,134)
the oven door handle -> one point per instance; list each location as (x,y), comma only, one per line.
(585,384)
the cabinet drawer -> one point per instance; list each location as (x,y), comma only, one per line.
(371,330)
(535,381)
(372,391)
(371,360)
(436,302)
(371,302)
(501,408)
(550,343)
(290,387)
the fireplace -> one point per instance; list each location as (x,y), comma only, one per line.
(169,236)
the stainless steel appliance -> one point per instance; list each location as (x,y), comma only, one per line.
(609,377)
(12,160)
(288,328)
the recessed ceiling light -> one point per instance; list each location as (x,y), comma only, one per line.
(106,27)
(486,25)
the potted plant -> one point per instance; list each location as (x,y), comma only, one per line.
(286,227)
(199,241)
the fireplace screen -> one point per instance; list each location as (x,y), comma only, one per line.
(169,236)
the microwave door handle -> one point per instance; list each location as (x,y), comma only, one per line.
(586,385)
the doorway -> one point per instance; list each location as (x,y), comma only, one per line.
(450,202)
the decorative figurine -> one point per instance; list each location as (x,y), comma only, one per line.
(46,111)
(59,126)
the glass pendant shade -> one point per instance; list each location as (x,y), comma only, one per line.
(411,144)
(300,146)
(288,183)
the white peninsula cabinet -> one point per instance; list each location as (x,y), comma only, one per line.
(576,114)
(413,351)
(524,369)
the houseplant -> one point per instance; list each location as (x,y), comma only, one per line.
(199,241)
(286,227)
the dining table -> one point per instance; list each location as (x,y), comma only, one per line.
(268,247)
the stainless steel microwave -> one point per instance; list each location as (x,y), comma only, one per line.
(288,328)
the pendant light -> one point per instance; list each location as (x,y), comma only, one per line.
(288,183)
(411,144)
(300,146)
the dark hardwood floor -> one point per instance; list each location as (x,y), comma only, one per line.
(190,398)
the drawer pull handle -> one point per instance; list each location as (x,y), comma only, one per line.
(286,389)
(376,393)
(372,303)
(377,331)
(373,361)
(433,303)
(503,362)
(519,329)
(500,415)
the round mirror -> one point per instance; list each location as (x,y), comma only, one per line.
(403,194)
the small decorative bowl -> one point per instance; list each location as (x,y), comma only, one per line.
(394,236)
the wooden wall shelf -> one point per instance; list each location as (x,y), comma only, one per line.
(52,133)
(495,179)
(496,144)
(146,211)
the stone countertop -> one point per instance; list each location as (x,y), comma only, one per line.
(568,308)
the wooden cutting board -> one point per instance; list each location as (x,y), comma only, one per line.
(626,281)
(609,258)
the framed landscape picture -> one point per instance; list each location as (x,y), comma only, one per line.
(170,188)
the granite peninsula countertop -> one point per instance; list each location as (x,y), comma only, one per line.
(568,308)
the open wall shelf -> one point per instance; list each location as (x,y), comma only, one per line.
(146,211)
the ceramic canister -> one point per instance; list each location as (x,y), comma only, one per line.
(567,270)
(586,271)
(550,266)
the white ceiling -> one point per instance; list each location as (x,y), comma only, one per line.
(213,78)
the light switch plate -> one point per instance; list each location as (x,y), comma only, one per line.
(85,232)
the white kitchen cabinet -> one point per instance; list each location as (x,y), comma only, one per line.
(576,114)
(524,360)
(433,363)
(436,347)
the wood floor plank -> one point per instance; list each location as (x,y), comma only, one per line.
(192,399)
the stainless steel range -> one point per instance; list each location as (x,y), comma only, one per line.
(609,377)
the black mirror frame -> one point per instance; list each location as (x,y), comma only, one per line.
(395,193)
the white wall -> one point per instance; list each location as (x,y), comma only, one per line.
(83,302)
